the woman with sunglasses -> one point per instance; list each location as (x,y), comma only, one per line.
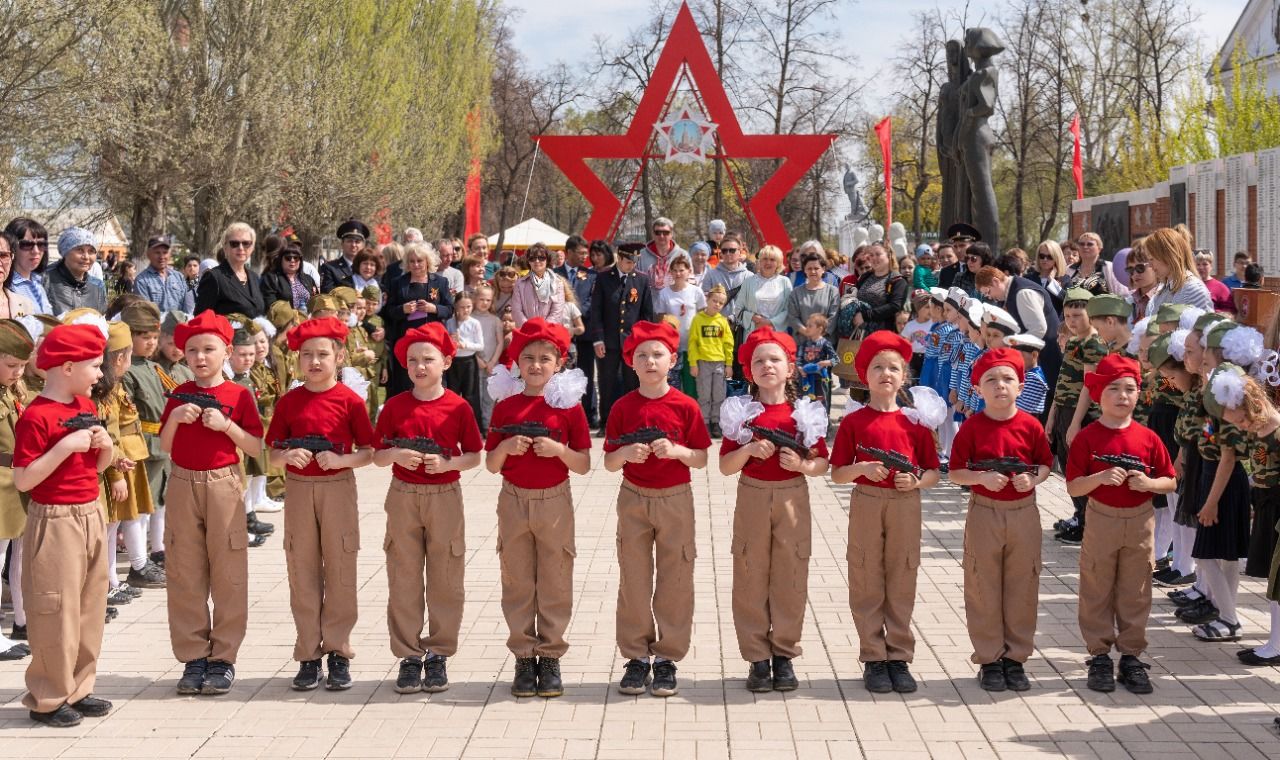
(1168,251)
(1143,283)
(284,280)
(1050,269)
(14,304)
(231,287)
(539,293)
(29,260)
(976,256)
(1094,273)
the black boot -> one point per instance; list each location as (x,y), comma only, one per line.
(1014,675)
(549,683)
(759,677)
(525,684)
(784,676)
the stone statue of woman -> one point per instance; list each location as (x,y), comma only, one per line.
(955,184)
(975,138)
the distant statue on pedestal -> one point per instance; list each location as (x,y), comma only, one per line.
(975,137)
(858,210)
(956,203)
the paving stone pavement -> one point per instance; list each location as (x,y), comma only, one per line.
(1205,704)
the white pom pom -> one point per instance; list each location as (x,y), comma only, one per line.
(1243,346)
(811,420)
(503,383)
(1178,343)
(33,326)
(266,326)
(237,325)
(357,382)
(1228,388)
(565,389)
(96,320)
(735,413)
(929,409)
(1187,320)
(851,406)
(1139,329)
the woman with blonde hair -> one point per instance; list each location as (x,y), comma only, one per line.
(763,297)
(418,297)
(231,287)
(1094,273)
(1050,268)
(882,292)
(1169,252)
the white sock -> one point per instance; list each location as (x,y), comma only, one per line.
(248,497)
(1184,539)
(135,543)
(155,529)
(946,434)
(113,576)
(1272,647)
(260,492)
(15,582)
(1164,527)
(1229,575)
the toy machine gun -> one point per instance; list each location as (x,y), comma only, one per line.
(313,443)
(892,460)
(646,435)
(783,440)
(529,430)
(83,421)
(1008,466)
(420,444)
(1125,461)
(200,399)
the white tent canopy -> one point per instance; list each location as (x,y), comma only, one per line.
(527,233)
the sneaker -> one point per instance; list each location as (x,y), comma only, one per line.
(92,707)
(308,678)
(19,632)
(875,676)
(991,677)
(118,596)
(1014,675)
(258,527)
(664,679)
(1163,576)
(410,679)
(158,558)
(19,651)
(133,591)
(1071,537)
(193,676)
(635,678)
(549,683)
(150,576)
(1200,612)
(435,677)
(784,675)
(1164,562)
(759,677)
(901,678)
(1133,674)
(64,717)
(525,684)
(339,673)
(268,505)
(219,677)
(1102,676)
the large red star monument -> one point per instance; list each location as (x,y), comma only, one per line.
(685,48)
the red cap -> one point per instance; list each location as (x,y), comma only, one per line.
(644,331)
(1110,369)
(205,322)
(433,333)
(758,338)
(534,330)
(70,343)
(318,327)
(880,340)
(998,357)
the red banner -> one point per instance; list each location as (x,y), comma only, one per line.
(884,130)
(1077,165)
(471,224)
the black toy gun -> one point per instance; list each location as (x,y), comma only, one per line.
(200,399)
(420,444)
(782,440)
(83,421)
(313,443)
(645,435)
(528,429)
(1124,461)
(1004,465)
(891,459)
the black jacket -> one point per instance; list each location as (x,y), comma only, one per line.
(221,291)
(582,282)
(617,303)
(334,273)
(275,287)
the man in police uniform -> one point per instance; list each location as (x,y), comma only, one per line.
(339,271)
(579,275)
(960,235)
(619,299)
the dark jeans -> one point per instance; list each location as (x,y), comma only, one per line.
(463,378)
(587,363)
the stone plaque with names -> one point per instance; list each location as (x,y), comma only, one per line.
(1269,211)
(1206,216)
(1236,202)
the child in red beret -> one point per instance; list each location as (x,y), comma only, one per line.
(64,578)
(321,521)
(1002,528)
(535,511)
(206,537)
(429,435)
(771,529)
(655,434)
(1119,534)
(884,511)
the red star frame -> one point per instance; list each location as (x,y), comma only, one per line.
(684,47)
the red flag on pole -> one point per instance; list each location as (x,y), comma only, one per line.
(1077,165)
(884,130)
(471,224)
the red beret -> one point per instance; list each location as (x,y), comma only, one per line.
(880,340)
(70,343)
(433,333)
(758,338)
(318,327)
(1110,369)
(998,357)
(534,330)
(644,331)
(205,322)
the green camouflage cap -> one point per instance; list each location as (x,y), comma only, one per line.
(1207,319)
(1108,305)
(171,321)
(1158,353)
(1212,404)
(1216,332)
(1170,312)
(1153,328)
(1077,294)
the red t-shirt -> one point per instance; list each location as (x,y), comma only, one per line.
(448,420)
(195,446)
(777,416)
(337,414)
(529,470)
(1136,439)
(75,481)
(891,431)
(981,437)
(677,415)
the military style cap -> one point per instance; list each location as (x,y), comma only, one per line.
(323,302)
(1224,376)
(1170,312)
(15,341)
(1108,305)
(1213,335)
(1077,294)
(961,232)
(1158,353)
(143,316)
(242,337)
(119,336)
(171,321)
(1207,319)
(371,293)
(353,227)
(1153,328)
(345,294)
(281,314)
(1025,342)
(994,316)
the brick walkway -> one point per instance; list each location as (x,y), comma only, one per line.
(1205,705)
